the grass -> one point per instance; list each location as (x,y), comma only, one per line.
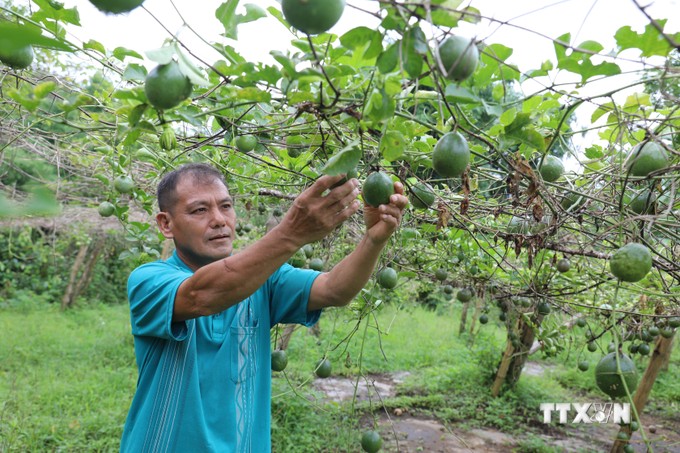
(67,378)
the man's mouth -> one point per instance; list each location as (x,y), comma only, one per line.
(219,237)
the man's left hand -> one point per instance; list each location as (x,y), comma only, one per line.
(383,221)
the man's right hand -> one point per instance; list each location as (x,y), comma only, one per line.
(317,211)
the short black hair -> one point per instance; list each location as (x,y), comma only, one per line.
(201,173)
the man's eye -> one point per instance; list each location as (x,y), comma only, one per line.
(199,210)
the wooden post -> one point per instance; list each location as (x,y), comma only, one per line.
(68,297)
(661,354)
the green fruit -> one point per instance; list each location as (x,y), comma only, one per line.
(441,274)
(583,365)
(323,368)
(666,332)
(544,308)
(312,16)
(316,264)
(628,448)
(563,265)
(279,360)
(634,426)
(643,203)
(116,6)
(459,57)
(581,322)
(572,201)
(245,143)
(633,348)
(592,347)
(166,86)
(674,322)
(551,169)
(451,155)
(464,295)
(610,381)
(644,349)
(371,442)
(352,174)
(631,262)
(308,250)
(502,317)
(377,189)
(387,278)
(483,319)
(123,184)
(421,196)
(106,209)
(298,260)
(653,331)
(16,57)
(646,158)
(448,289)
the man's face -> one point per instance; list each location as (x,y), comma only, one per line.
(201,222)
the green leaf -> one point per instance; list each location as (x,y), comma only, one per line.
(444,13)
(579,62)
(602,110)
(15,36)
(508,116)
(121,52)
(594,152)
(650,42)
(226,14)
(95,45)
(456,93)
(411,60)
(343,161)
(380,105)
(253,94)
(136,114)
(43,89)
(135,72)
(388,59)
(30,103)
(189,69)
(359,37)
(56,12)
(417,40)
(162,55)
(392,145)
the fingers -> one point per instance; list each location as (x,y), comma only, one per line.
(324,183)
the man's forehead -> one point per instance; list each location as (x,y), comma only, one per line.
(189,188)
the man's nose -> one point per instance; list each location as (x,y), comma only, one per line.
(218,218)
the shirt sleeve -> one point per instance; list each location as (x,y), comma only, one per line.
(289,296)
(151,292)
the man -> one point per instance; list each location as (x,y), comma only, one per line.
(201,320)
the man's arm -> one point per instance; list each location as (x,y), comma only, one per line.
(339,286)
(313,215)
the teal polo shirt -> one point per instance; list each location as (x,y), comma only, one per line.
(205,384)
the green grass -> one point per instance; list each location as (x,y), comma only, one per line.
(67,378)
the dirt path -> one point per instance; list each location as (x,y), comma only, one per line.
(405,432)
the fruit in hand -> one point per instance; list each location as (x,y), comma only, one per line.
(631,263)
(377,189)
(166,86)
(459,57)
(451,155)
(312,16)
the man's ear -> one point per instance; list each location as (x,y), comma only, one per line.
(164,223)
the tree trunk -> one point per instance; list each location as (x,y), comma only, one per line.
(661,355)
(68,298)
(463,317)
(90,262)
(502,369)
(526,340)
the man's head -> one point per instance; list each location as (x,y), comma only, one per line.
(197,213)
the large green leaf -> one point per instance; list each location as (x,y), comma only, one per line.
(392,145)
(343,161)
(15,36)
(226,14)
(579,60)
(363,38)
(651,42)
